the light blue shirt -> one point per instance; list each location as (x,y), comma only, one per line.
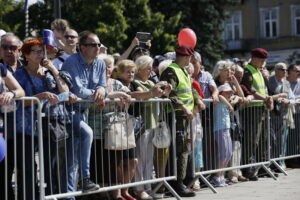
(86,78)
(221,117)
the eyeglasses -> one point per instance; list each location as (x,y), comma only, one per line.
(282,69)
(9,47)
(92,45)
(70,36)
(38,52)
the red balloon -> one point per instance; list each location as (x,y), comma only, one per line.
(187,37)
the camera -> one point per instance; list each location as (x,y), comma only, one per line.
(143,37)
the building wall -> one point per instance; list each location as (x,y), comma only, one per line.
(252,28)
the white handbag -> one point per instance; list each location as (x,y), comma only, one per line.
(119,133)
(162,135)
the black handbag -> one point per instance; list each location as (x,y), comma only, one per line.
(55,129)
(236,131)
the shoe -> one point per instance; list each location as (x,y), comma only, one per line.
(183,191)
(196,186)
(253,178)
(158,195)
(128,197)
(144,196)
(242,179)
(234,179)
(88,185)
(217,182)
(225,182)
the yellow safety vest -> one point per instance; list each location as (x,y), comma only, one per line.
(258,83)
(184,87)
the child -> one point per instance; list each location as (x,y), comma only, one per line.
(222,131)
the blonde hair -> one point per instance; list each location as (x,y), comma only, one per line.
(123,66)
(142,62)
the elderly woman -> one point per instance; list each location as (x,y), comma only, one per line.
(105,162)
(144,149)
(9,89)
(142,88)
(33,80)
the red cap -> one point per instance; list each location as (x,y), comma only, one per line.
(259,53)
(184,50)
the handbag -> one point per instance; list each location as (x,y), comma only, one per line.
(56,128)
(197,127)
(162,133)
(119,133)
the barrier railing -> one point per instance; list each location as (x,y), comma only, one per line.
(284,134)
(231,142)
(39,164)
(21,126)
(116,162)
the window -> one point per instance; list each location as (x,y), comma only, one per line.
(270,22)
(233,26)
(295,10)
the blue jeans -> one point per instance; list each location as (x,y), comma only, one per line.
(79,149)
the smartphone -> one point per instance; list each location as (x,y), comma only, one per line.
(143,38)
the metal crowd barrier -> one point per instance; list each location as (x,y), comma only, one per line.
(284,134)
(113,168)
(23,149)
(247,147)
(39,166)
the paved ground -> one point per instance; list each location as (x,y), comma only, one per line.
(284,188)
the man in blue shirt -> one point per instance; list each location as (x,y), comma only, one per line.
(89,82)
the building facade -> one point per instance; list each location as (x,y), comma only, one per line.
(270,24)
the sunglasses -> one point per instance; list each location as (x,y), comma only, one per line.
(92,44)
(9,47)
(70,36)
(282,69)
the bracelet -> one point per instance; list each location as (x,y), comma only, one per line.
(14,93)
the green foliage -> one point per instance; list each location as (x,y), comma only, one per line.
(8,7)
(117,21)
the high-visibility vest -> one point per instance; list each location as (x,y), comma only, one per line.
(258,83)
(184,87)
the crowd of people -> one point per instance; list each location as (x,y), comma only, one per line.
(215,112)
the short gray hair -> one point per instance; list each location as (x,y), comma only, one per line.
(10,34)
(143,61)
(280,65)
(197,56)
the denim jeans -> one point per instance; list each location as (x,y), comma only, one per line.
(79,149)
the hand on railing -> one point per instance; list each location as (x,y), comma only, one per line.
(6,98)
(215,98)
(269,102)
(51,97)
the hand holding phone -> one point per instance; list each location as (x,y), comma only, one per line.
(143,38)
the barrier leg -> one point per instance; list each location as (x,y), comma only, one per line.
(171,190)
(279,167)
(157,187)
(269,172)
(208,183)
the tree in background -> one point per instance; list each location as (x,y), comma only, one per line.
(10,8)
(116,22)
(205,17)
